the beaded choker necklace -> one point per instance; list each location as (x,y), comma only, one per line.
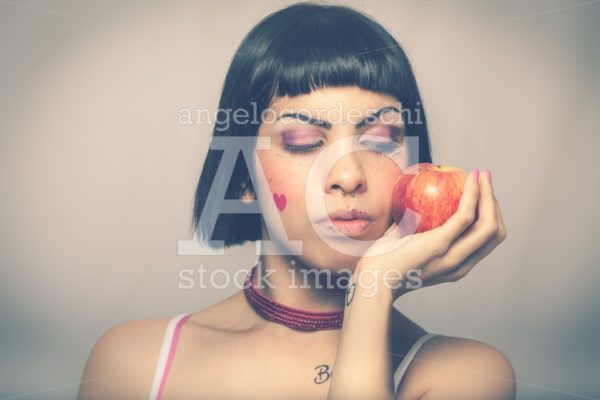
(294,318)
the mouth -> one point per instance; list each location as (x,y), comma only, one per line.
(354,223)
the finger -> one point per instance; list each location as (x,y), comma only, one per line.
(465,267)
(473,259)
(465,213)
(501,226)
(483,230)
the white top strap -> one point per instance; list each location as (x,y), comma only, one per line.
(408,358)
(163,355)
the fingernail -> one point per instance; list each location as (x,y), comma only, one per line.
(476,175)
(489,171)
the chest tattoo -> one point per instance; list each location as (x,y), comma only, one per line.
(323,373)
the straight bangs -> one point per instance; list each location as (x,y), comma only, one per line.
(332,48)
(293,51)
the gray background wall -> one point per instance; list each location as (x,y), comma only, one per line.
(97,175)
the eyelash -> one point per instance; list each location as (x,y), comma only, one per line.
(384,148)
(292,148)
(378,148)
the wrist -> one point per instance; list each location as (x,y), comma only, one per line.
(393,280)
(374,282)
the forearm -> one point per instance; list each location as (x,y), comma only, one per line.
(362,367)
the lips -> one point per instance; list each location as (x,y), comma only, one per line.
(347,215)
(354,223)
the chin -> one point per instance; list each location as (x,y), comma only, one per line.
(324,257)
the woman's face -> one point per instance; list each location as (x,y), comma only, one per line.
(311,170)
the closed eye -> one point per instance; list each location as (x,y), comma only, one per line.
(377,143)
(387,146)
(303,149)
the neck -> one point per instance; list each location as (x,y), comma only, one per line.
(287,281)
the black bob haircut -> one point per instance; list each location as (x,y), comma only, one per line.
(293,51)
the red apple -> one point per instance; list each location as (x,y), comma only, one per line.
(429,190)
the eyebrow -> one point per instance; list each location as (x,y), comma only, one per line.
(327,125)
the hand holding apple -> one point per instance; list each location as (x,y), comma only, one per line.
(432,192)
(446,253)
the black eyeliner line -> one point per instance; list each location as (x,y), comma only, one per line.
(368,120)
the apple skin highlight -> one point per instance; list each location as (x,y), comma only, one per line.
(432,191)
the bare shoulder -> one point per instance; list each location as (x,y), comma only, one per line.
(454,367)
(122,361)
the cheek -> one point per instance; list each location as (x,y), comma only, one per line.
(383,177)
(286,181)
(391,167)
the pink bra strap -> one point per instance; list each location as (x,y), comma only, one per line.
(166,359)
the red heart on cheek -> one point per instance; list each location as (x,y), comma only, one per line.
(280,201)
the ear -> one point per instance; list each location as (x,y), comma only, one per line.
(246,192)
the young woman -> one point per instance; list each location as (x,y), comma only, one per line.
(343,103)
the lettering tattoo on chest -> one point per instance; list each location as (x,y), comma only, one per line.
(323,373)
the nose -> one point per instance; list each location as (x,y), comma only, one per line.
(347,176)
